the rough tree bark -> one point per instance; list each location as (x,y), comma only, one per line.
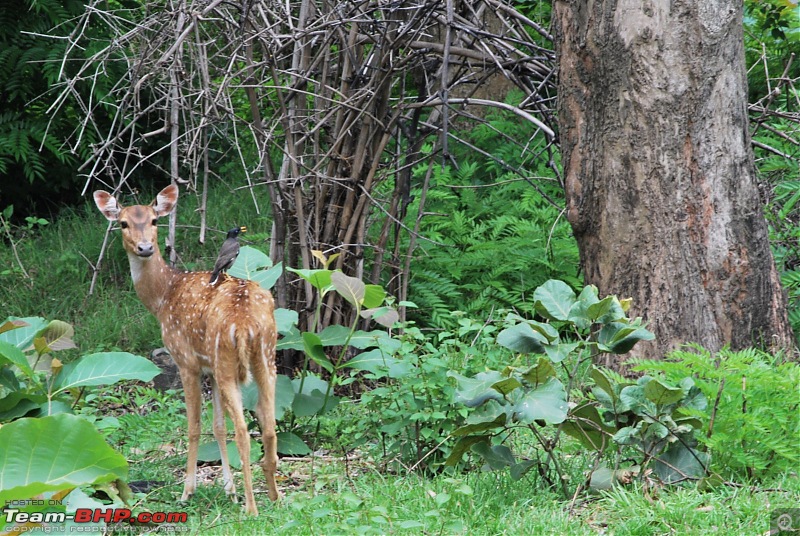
(659,173)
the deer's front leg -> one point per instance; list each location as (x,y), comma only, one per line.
(192,393)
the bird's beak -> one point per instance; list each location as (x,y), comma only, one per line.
(243,229)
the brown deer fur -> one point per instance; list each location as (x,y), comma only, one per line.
(226,331)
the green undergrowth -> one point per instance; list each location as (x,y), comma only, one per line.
(327,494)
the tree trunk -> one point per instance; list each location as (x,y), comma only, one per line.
(659,172)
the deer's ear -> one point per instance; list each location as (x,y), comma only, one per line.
(107,204)
(166,200)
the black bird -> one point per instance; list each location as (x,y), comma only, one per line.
(227,253)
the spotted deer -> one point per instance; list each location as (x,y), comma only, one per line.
(225,330)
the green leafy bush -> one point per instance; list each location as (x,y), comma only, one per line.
(55,453)
(34,383)
(753,413)
(44,447)
(303,400)
(409,414)
(648,422)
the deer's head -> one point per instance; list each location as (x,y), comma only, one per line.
(138,222)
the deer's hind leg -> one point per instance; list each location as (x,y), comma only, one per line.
(220,434)
(265,376)
(232,398)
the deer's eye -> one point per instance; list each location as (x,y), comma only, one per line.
(123,224)
(155,221)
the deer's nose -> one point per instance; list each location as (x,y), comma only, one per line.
(144,249)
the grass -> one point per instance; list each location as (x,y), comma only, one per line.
(328,495)
(323,494)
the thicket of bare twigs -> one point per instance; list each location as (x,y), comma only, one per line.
(320,102)
(330,110)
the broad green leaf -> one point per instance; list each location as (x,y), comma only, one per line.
(602,381)
(518,470)
(496,456)
(695,399)
(633,397)
(291,445)
(608,306)
(401,369)
(602,479)
(22,337)
(256,265)
(475,391)
(268,278)
(655,430)
(18,404)
(470,429)
(57,335)
(559,352)
(487,412)
(54,453)
(661,394)
(8,325)
(307,404)
(54,407)
(554,299)
(291,340)
(627,435)
(312,345)
(385,316)
(284,395)
(351,289)
(9,353)
(578,312)
(462,446)
(547,402)
(680,462)
(375,361)
(522,338)
(105,368)
(506,385)
(619,337)
(285,320)
(309,397)
(549,332)
(373,296)
(335,335)
(381,339)
(319,279)
(539,373)
(586,425)
(249,261)
(8,380)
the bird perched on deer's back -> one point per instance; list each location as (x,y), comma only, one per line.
(227,253)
